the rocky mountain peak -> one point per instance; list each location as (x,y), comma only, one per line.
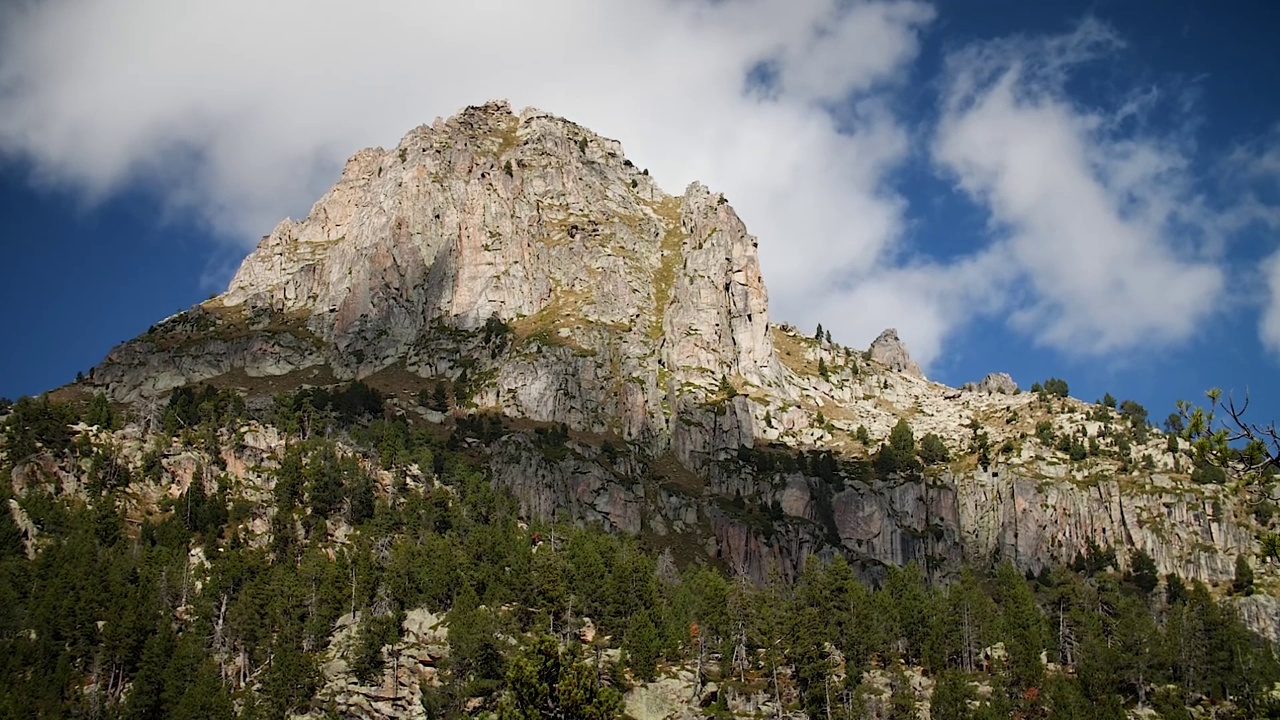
(521,249)
(526,264)
(889,349)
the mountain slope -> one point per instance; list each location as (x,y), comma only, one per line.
(524,263)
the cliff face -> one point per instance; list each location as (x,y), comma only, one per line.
(610,292)
(525,259)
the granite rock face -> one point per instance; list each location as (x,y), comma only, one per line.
(889,350)
(611,298)
(524,258)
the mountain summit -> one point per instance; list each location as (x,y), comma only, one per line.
(524,263)
(522,249)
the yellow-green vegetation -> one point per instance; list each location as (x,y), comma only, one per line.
(670,473)
(265,385)
(508,137)
(791,351)
(669,258)
(542,327)
(558,228)
(311,249)
(664,379)
(213,320)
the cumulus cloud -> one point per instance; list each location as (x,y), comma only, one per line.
(930,300)
(238,113)
(241,112)
(1103,229)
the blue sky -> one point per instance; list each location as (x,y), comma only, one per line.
(1082,190)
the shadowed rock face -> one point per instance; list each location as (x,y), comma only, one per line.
(526,253)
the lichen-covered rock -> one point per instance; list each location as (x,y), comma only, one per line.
(27,530)
(1261,612)
(668,698)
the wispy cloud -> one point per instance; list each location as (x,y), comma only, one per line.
(1254,169)
(1103,229)
(1269,323)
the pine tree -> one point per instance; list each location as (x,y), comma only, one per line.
(642,645)
(100,413)
(1022,627)
(1242,584)
(902,699)
(726,388)
(899,453)
(461,389)
(1142,571)
(547,681)
(324,481)
(291,677)
(951,696)
(145,698)
(902,440)
(862,435)
(933,450)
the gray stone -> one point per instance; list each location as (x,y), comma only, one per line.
(993,383)
(891,351)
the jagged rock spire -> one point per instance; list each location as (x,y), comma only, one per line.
(890,350)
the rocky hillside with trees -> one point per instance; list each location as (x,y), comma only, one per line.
(502,427)
(329,557)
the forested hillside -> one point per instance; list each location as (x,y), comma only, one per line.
(212,560)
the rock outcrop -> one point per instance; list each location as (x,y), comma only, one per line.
(889,350)
(412,664)
(993,383)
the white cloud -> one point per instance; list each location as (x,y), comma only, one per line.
(1254,168)
(1104,229)
(929,299)
(241,112)
(1258,160)
(1269,323)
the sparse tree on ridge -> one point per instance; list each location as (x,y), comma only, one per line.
(1221,438)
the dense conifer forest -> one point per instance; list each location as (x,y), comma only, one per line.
(117,610)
